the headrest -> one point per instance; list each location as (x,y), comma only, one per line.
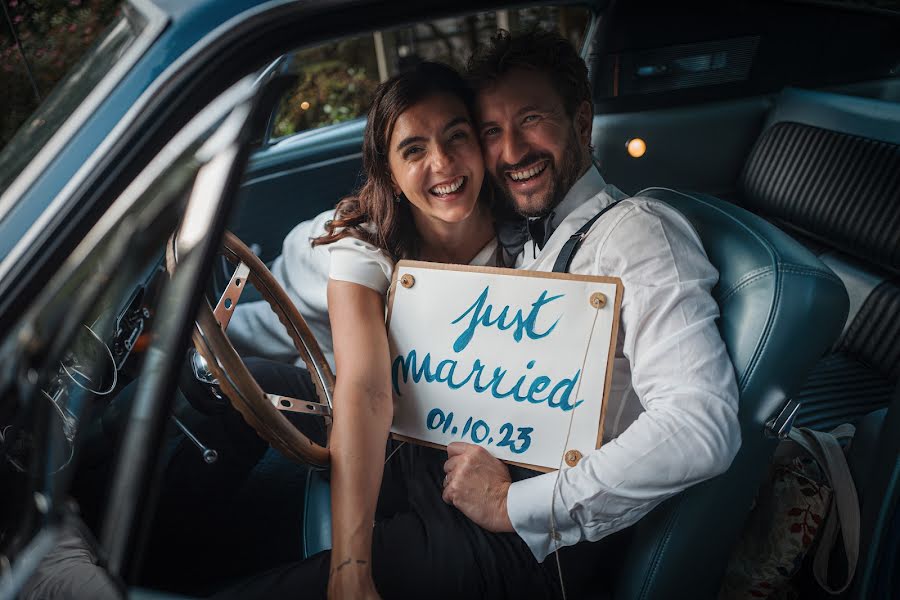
(813,170)
(863,117)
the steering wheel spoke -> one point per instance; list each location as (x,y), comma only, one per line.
(227,303)
(287,404)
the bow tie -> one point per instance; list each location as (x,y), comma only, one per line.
(513,233)
(539,229)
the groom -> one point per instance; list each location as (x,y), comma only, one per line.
(672,410)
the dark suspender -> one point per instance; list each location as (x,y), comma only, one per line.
(564,260)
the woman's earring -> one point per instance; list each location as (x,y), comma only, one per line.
(397,197)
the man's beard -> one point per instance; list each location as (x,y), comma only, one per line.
(564,177)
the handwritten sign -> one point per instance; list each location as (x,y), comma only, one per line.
(516,361)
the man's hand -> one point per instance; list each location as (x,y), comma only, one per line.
(476,483)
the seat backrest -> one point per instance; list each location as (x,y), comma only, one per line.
(826,169)
(781,308)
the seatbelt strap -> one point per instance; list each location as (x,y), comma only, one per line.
(843,515)
(564,260)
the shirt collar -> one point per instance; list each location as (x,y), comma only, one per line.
(588,185)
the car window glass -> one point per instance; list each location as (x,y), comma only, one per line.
(69,370)
(337,79)
(37,129)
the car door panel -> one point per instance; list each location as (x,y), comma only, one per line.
(700,147)
(295,179)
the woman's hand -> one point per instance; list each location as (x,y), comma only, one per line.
(351,579)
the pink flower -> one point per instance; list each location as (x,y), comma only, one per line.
(18,19)
(13,3)
(75,2)
(73,28)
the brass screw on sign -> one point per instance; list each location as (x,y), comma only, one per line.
(572,457)
(598,300)
(407,281)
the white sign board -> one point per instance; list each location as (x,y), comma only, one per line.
(516,361)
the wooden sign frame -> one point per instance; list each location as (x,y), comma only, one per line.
(617,305)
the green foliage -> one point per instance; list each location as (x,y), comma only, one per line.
(337,83)
(54,35)
(331,92)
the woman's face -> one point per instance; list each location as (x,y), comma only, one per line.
(435,159)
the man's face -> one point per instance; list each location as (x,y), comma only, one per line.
(532,148)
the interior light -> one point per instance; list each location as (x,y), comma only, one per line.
(636,147)
(304,105)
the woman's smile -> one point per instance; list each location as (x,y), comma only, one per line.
(450,190)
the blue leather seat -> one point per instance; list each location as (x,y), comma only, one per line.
(780,310)
(316,514)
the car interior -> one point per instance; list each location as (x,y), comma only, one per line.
(774,127)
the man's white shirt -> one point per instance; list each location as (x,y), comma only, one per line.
(671,418)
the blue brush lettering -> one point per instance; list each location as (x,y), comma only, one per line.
(409,367)
(452,366)
(537,386)
(566,385)
(495,381)
(481,316)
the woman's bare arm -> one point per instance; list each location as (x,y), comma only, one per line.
(363,410)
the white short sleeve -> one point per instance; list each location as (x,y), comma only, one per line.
(360,262)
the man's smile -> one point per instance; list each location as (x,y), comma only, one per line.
(523,175)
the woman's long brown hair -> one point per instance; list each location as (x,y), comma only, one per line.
(372,214)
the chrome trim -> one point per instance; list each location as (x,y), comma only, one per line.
(288,404)
(142,433)
(780,426)
(156,23)
(209,455)
(115,371)
(589,35)
(225,308)
(200,368)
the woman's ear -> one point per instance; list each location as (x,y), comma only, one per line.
(394,187)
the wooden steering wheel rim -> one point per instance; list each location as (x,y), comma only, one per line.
(235,379)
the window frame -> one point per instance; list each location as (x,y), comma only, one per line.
(283,62)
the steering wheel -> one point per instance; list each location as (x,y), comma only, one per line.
(264,412)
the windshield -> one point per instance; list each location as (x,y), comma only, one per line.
(70,93)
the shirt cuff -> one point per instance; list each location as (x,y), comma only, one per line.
(529,503)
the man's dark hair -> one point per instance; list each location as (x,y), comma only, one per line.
(538,50)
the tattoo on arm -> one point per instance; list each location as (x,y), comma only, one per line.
(349,561)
